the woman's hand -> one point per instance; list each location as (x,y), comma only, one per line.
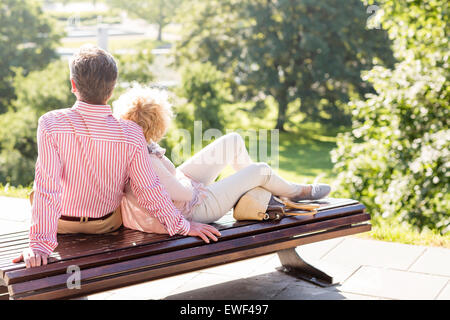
(204,231)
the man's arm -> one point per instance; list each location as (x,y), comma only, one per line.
(46,207)
(151,194)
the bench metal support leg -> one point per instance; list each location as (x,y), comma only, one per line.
(295,266)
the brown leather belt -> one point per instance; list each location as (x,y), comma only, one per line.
(85,219)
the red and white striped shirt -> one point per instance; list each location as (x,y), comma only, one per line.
(85,158)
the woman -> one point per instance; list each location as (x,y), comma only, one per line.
(192,185)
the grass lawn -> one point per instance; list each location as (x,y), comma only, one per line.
(305,159)
(15,192)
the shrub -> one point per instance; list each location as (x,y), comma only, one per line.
(396,160)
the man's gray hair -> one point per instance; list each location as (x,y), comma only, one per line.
(94,72)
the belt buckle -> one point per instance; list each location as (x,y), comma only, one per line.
(84,219)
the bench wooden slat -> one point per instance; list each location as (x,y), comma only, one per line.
(80,244)
(17,240)
(185,253)
(70,246)
(4,295)
(156,272)
(22,274)
(179,243)
(73,245)
(12,251)
(13,243)
(72,242)
(7,259)
(127,257)
(13,235)
(77,244)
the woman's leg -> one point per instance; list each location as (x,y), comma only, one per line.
(206,164)
(224,194)
(230,149)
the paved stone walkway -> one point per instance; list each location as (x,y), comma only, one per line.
(364,269)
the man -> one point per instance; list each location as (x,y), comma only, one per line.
(85,158)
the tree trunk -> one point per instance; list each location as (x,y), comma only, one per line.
(282,100)
(160,27)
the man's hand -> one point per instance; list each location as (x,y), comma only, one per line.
(204,231)
(32,258)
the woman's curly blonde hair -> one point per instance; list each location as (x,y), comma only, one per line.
(149,108)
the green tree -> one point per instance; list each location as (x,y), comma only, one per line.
(134,67)
(396,160)
(27,40)
(160,12)
(41,91)
(37,93)
(205,89)
(309,51)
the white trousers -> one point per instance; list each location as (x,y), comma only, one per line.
(206,165)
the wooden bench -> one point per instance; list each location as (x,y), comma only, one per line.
(128,257)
